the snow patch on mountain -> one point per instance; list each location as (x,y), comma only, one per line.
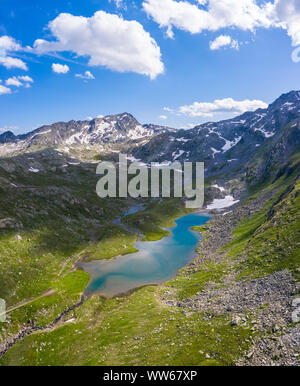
(230,144)
(215,151)
(33,170)
(219,187)
(264,132)
(221,203)
(177,154)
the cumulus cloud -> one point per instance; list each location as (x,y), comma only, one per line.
(108,40)
(60,68)
(223,41)
(9,62)
(87,75)
(26,79)
(287,13)
(213,15)
(7,46)
(13,82)
(226,105)
(4,90)
(163,117)
(20,81)
(7,43)
(243,14)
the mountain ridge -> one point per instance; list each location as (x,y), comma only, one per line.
(243,147)
(115,128)
(127,120)
(242,282)
(227,144)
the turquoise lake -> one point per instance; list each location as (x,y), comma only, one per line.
(154,263)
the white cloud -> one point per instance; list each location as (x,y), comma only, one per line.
(226,105)
(217,14)
(235,44)
(168,109)
(4,90)
(243,14)
(188,126)
(14,81)
(9,62)
(20,81)
(87,75)
(163,117)
(26,79)
(60,68)
(7,45)
(223,41)
(108,40)
(287,13)
(8,128)
(119,3)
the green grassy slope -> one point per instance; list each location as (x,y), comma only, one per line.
(135,330)
(270,239)
(140,329)
(48,221)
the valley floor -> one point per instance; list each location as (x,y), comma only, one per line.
(237,303)
(230,306)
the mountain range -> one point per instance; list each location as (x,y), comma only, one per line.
(232,304)
(224,146)
(102,130)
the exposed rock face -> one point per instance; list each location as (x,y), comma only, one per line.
(10,223)
(228,145)
(8,136)
(249,145)
(111,129)
(49,183)
(263,304)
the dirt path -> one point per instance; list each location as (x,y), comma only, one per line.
(45,294)
(32,328)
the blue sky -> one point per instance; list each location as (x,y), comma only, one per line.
(166,60)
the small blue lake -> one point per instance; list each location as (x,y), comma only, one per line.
(154,263)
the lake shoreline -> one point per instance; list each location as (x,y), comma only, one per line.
(141,258)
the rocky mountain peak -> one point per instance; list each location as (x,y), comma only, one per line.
(115,128)
(226,144)
(7,136)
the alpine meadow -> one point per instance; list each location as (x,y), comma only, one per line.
(165,235)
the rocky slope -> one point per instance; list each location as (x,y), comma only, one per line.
(118,128)
(227,145)
(231,305)
(248,269)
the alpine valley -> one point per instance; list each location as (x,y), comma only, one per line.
(235,303)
